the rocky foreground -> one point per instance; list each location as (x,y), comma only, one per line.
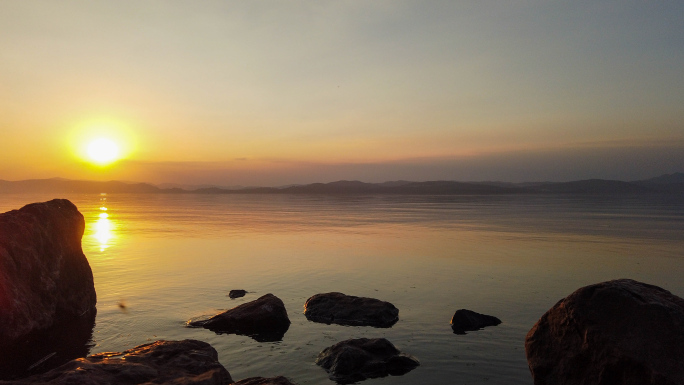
(47,294)
(264,319)
(467,320)
(615,332)
(187,362)
(361,358)
(349,310)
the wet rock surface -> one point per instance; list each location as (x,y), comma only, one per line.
(358,359)
(467,320)
(187,362)
(264,319)
(47,295)
(280,380)
(615,332)
(237,293)
(345,309)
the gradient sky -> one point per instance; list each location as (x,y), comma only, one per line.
(275,92)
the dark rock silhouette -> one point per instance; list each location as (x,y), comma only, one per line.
(615,332)
(47,295)
(237,293)
(467,320)
(280,380)
(345,309)
(264,319)
(163,362)
(357,359)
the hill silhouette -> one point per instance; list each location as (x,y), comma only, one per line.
(669,184)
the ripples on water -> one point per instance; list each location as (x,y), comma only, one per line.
(170,258)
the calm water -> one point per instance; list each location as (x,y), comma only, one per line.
(170,258)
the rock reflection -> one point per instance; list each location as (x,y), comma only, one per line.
(48,349)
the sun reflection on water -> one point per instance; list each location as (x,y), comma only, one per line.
(103,232)
(104,226)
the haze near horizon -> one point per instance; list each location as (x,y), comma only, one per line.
(267,93)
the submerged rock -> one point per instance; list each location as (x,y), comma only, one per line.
(47,295)
(345,309)
(280,380)
(264,319)
(615,332)
(467,320)
(163,362)
(357,359)
(237,293)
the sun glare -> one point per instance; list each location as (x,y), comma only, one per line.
(103,151)
(99,143)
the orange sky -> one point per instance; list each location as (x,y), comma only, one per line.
(273,93)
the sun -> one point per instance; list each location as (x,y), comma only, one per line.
(103,151)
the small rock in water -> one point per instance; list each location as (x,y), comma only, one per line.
(237,293)
(467,320)
(280,380)
(615,332)
(358,359)
(161,362)
(345,309)
(264,319)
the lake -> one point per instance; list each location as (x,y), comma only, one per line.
(170,258)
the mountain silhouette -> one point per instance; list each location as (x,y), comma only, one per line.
(668,183)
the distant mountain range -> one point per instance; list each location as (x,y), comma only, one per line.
(664,184)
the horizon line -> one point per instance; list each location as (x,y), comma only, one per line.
(280,186)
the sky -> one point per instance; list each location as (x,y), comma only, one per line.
(274,92)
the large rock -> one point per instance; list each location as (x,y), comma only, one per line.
(615,332)
(187,362)
(357,359)
(345,309)
(280,380)
(264,319)
(47,295)
(467,320)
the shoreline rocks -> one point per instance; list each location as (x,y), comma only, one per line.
(358,359)
(237,293)
(615,332)
(467,320)
(349,310)
(47,294)
(163,362)
(264,319)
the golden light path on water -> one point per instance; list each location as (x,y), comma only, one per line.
(104,226)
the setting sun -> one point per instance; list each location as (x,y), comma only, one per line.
(103,151)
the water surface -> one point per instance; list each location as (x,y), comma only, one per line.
(170,258)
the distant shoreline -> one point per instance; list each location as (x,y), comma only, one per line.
(665,184)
